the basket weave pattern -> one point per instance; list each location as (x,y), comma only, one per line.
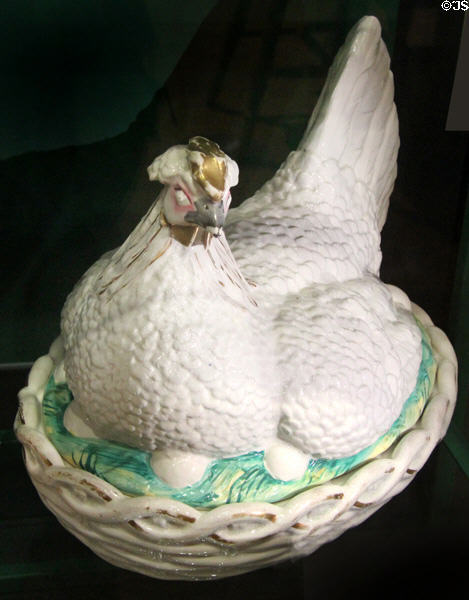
(168,539)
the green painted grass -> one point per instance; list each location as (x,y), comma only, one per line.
(237,479)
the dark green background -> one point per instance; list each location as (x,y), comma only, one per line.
(93,90)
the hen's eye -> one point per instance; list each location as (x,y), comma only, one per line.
(181,198)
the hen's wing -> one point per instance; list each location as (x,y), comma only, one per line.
(318,219)
(350,354)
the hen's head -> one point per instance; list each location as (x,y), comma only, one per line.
(197,180)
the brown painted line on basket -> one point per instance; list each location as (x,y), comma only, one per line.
(338,496)
(270,516)
(67,475)
(185,518)
(96,489)
(299,526)
(44,459)
(359,504)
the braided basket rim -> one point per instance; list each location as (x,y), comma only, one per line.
(292,527)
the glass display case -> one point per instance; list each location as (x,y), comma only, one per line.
(92,95)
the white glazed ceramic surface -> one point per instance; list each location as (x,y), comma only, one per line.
(277,337)
(170,540)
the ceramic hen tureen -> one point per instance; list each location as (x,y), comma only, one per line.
(233,389)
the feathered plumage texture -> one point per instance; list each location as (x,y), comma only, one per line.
(166,352)
(322,212)
(170,347)
(350,354)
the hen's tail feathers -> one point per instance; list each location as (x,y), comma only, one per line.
(355,120)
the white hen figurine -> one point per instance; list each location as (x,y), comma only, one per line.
(170,349)
(164,349)
(310,239)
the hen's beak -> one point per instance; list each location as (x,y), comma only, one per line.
(208,214)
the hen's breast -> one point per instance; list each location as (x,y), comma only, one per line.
(176,359)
